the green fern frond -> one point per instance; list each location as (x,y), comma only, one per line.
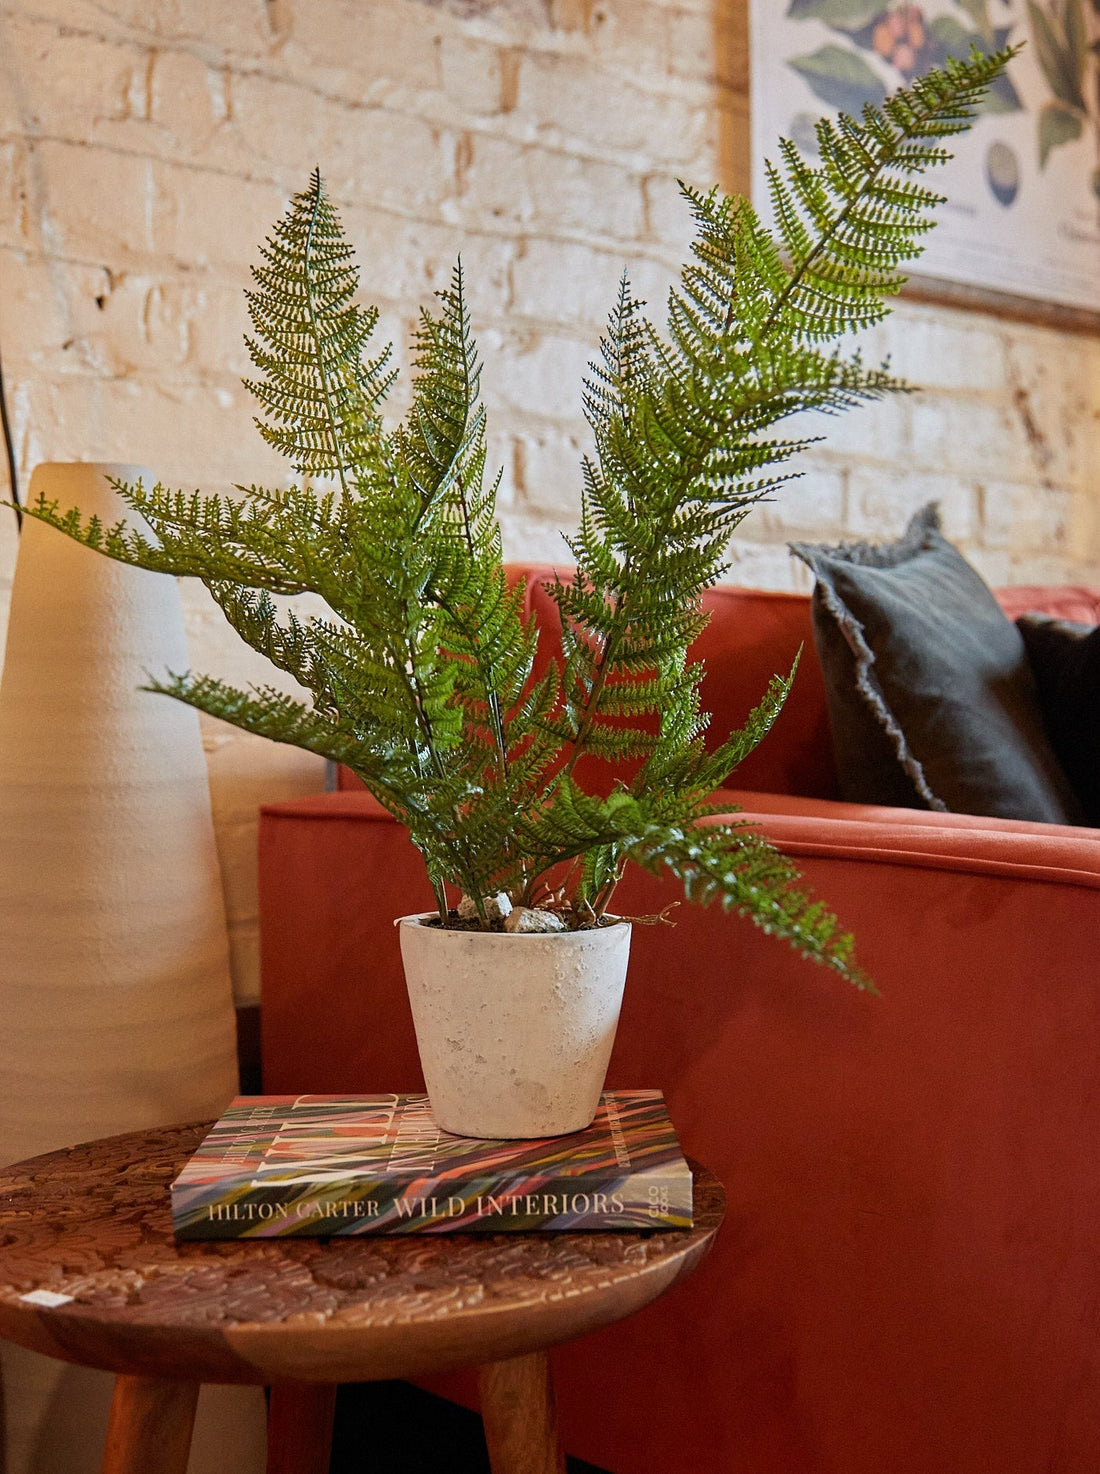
(321,398)
(682,426)
(445,428)
(268,712)
(744,873)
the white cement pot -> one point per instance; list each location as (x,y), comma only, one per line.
(514,1032)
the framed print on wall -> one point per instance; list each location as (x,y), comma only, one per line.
(1020,231)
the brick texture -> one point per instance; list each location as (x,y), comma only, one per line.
(145,149)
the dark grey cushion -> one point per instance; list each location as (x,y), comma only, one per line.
(1065,661)
(931,698)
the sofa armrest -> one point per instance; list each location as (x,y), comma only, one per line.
(336,870)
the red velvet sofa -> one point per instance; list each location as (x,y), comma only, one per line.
(909,1276)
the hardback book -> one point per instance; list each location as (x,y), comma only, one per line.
(320,1165)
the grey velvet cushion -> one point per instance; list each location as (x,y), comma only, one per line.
(932,702)
(1065,661)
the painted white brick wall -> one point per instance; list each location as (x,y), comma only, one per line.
(146,149)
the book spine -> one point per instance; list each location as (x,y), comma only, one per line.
(656,1199)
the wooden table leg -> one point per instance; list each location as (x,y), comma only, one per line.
(149,1429)
(521,1421)
(299,1427)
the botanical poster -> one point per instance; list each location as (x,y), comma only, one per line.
(1023,191)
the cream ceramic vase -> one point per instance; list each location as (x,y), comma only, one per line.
(115,993)
(514,1031)
(116,1007)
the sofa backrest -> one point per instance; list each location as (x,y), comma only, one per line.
(1067,601)
(753,635)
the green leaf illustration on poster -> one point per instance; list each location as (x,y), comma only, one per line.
(1002,98)
(844,15)
(1058,63)
(978,11)
(1077,41)
(1057,124)
(840,78)
(953,36)
(948,37)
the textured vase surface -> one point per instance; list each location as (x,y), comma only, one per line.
(514,1032)
(115,994)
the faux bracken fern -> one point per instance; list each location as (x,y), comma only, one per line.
(421,674)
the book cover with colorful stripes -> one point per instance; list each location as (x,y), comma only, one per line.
(322,1165)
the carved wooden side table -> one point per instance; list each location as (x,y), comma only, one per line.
(90,1273)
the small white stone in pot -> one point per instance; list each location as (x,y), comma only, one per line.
(526,919)
(495,907)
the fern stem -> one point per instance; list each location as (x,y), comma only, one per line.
(312,315)
(441,901)
(470,880)
(600,671)
(603,896)
(491,693)
(600,675)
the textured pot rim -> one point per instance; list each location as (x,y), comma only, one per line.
(420,917)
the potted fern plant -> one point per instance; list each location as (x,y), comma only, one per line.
(421,673)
